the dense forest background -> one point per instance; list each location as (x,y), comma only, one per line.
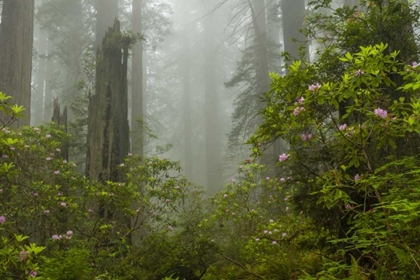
(209,139)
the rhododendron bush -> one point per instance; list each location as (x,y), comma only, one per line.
(56,224)
(357,175)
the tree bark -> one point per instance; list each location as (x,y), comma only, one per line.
(137,85)
(108,130)
(16,42)
(38,95)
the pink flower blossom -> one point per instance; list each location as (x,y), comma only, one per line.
(12,148)
(225,195)
(274,242)
(170,228)
(57,172)
(57,237)
(48,136)
(167,200)
(1,190)
(359,73)
(314,87)
(342,127)
(282,179)
(48,159)
(356,177)
(284,234)
(301,100)
(69,232)
(381,113)
(297,110)
(58,150)
(306,137)
(265,231)
(415,64)
(90,210)
(33,273)
(46,211)
(283,157)
(2,219)
(257,239)
(35,194)
(63,204)
(23,255)
(52,154)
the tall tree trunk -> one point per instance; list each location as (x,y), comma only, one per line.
(260,27)
(137,84)
(212,109)
(49,72)
(186,84)
(38,95)
(16,42)
(108,130)
(106,13)
(293,13)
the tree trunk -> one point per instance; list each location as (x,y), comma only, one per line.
(60,119)
(293,13)
(16,42)
(108,130)
(186,83)
(213,137)
(49,71)
(137,85)
(38,95)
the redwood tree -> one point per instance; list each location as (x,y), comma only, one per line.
(16,42)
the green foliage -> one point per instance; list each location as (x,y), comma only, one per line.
(89,230)
(357,171)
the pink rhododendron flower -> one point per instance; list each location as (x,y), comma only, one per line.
(297,110)
(314,87)
(33,273)
(414,64)
(356,177)
(46,211)
(283,157)
(282,179)
(48,159)
(306,137)
(342,127)
(2,219)
(63,204)
(359,73)
(284,234)
(23,255)
(56,237)
(301,100)
(69,232)
(57,172)
(381,113)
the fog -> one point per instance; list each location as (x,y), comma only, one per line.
(195,76)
